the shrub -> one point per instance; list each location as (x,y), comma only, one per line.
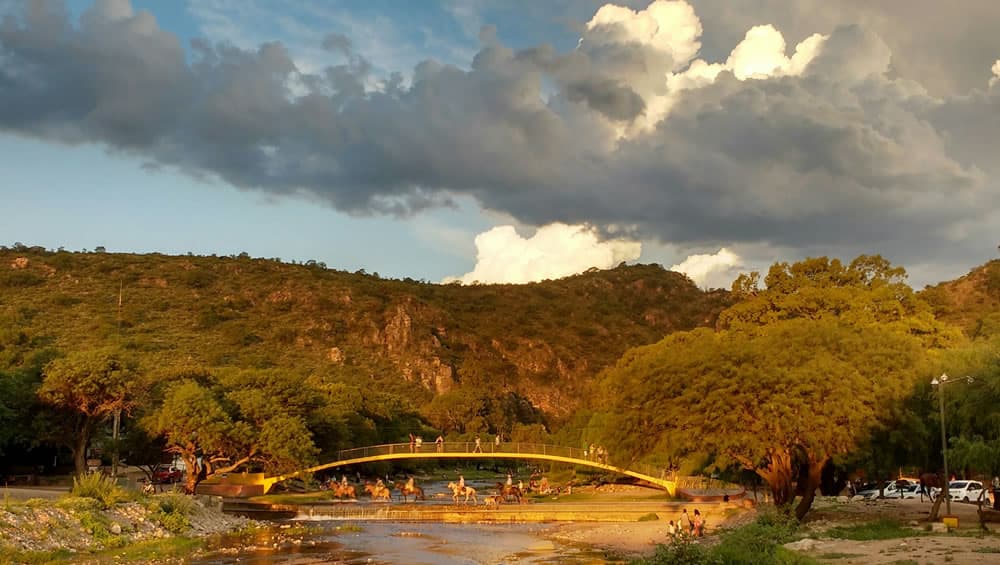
(175,503)
(99,487)
(173,522)
(681,551)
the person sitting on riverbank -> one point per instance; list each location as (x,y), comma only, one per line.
(543,486)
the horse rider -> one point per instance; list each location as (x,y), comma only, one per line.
(461,483)
(343,480)
(379,483)
(409,483)
(510,479)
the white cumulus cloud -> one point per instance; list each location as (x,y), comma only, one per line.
(996,71)
(716,270)
(554,251)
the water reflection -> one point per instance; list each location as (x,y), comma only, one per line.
(379,543)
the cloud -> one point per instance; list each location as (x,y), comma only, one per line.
(554,251)
(715,270)
(823,145)
(996,72)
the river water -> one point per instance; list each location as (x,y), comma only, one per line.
(409,543)
(402,543)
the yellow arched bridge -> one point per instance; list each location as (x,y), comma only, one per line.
(257,482)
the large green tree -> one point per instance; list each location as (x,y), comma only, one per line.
(89,386)
(218,424)
(800,371)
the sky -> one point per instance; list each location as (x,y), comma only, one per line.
(506,141)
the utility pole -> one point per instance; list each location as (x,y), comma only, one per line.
(114,437)
(121,291)
(944,446)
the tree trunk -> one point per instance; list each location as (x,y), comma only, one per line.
(813,478)
(778,475)
(79,449)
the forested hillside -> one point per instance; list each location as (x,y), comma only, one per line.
(542,342)
(971,301)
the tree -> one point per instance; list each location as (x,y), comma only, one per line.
(218,424)
(800,372)
(90,386)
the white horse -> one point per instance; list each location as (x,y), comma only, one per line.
(457,491)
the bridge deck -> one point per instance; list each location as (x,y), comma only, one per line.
(469,450)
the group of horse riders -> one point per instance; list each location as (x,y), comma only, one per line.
(379,490)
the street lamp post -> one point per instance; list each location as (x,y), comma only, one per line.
(939,382)
(944,441)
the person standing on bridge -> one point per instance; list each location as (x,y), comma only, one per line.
(496,443)
(413,443)
(479,446)
(420,442)
(440,443)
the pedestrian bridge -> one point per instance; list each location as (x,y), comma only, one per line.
(464,450)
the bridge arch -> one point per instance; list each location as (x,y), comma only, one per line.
(467,450)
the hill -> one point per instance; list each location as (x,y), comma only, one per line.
(971,302)
(542,342)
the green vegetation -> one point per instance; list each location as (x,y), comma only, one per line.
(757,542)
(277,365)
(100,488)
(816,372)
(878,530)
(765,392)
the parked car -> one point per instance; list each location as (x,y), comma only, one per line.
(899,488)
(966,491)
(165,474)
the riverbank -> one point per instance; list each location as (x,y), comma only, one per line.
(71,528)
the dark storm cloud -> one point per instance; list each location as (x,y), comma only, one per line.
(844,155)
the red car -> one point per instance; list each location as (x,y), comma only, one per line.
(165,474)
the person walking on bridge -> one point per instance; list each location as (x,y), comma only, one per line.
(479,446)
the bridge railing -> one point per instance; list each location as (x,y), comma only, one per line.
(488,447)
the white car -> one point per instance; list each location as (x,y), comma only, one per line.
(966,491)
(900,488)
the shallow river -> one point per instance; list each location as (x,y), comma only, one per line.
(402,543)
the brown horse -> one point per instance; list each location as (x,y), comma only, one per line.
(929,481)
(342,491)
(509,492)
(404,491)
(457,491)
(378,492)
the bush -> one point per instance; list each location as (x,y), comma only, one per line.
(173,522)
(171,510)
(757,542)
(681,551)
(99,487)
(175,503)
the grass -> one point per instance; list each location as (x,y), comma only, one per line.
(835,555)
(986,550)
(878,530)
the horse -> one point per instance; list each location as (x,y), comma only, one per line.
(378,492)
(510,491)
(404,491)
(928,482)
(457,491)
(342,491)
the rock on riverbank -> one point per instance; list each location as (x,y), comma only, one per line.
(82,525)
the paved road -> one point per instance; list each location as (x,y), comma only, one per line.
(24,493)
